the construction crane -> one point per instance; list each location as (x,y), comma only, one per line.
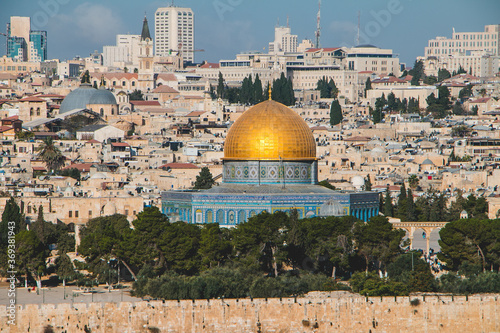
(180,50)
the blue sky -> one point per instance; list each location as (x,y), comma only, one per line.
(224,28)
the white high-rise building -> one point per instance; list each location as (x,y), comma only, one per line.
(284,41)
(174,32)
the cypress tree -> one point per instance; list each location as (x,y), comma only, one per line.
(335,113)
(257,90)
(410,207)
(402,203)
(220,86)
(388,208)
(11,213)
(368,183)
(332,89)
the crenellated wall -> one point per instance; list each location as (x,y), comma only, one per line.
(335,312)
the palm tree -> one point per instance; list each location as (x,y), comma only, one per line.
(50,155)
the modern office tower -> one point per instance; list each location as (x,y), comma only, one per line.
(24,44)
(284,41)
(174,32)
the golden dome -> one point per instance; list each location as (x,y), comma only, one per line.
(269,131)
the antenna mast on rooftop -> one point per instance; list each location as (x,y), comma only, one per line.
(359,27)
(318,27)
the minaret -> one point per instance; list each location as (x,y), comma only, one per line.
(146,59)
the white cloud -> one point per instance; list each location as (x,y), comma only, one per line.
(343,32)
(92,23)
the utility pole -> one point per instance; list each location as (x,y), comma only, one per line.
(318,26)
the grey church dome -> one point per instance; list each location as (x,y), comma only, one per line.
(102,96)
(78,98)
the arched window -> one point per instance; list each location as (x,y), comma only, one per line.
(220,217)
(37,111)
(112,111)
(31,111)
(209,217)
(241,216)
(102,112)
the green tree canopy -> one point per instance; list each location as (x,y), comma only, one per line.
(377,242)
(136,95)
(204,180)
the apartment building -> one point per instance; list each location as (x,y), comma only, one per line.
(174,32)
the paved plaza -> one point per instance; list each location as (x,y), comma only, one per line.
(70,294)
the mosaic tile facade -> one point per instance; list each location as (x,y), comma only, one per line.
(232,209)
(269,172)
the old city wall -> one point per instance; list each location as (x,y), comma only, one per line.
(337,313)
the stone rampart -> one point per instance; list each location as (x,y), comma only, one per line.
(330,312)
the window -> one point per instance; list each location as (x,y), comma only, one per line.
(126,212)
(90,213)
(76,213)
(70,213)
(29,209)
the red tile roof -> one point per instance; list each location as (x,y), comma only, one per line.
(5,128)
(195,113)
(165,89)
(481,100)
(92,141)
(148,103)
(31,99)
(82,167)
(52,96)
(166,77)
(11,118)
(210,65)
(119,144)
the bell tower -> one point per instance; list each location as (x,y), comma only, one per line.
(146,59)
